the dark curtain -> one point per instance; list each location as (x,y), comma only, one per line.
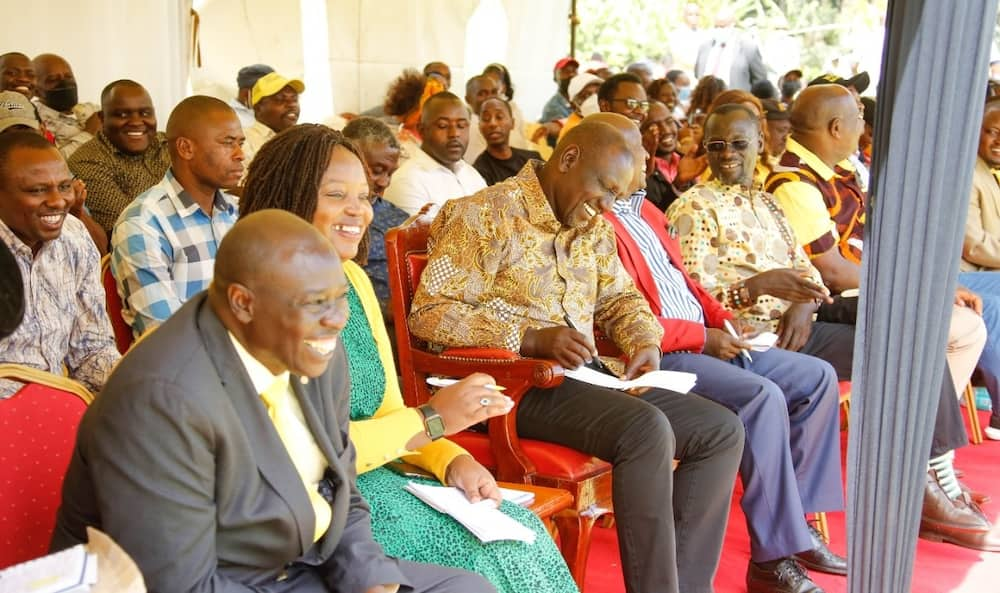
(930,100)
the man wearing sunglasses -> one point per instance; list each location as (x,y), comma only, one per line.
(738,244)
(623,93)
(787,402)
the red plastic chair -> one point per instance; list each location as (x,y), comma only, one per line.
(511,458)
(113,304)
(37,433)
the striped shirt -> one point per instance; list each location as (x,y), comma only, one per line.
(676,299)
(163,250)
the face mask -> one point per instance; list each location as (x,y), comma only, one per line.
(684,94)
(590,106)
(564,86)
(63,97)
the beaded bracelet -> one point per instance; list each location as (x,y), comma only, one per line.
(739,295)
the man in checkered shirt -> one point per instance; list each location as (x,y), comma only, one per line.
(164,243)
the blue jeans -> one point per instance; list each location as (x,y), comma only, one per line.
(987,286)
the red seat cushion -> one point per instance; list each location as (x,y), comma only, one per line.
(113,304)
(549,459)
(37,434)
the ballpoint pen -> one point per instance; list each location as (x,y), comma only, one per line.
(442,382)
(595,362)
(732,332)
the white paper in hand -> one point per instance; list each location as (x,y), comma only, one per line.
(70,571)
(482,518)
(678,381)
(763,341)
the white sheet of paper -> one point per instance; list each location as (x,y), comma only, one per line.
(763,341)
(481,518)
(673,380)
(70,571)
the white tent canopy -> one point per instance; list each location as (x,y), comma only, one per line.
(346,51)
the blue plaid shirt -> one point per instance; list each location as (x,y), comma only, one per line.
(163,250)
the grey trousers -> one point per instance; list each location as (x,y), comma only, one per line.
(670,524)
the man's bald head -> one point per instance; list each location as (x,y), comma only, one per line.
(444,127)
(827,120)
(478,89)
(191,114)
(600,135)
(633,139)
(592,166)
(438,102)
(205,138)
(261,243)
(46,63)
(56,85)
(279,288)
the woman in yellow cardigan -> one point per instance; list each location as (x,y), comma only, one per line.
(314,172)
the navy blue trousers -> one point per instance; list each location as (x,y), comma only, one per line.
(788,403)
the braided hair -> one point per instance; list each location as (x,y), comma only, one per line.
(286,171)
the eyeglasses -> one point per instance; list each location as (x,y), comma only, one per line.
(720,145)
(633,103)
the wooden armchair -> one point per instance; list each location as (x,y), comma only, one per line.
(511,458)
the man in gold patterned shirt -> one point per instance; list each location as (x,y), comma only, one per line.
(531,266)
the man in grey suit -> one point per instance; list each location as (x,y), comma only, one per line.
(187,466)
(730,55)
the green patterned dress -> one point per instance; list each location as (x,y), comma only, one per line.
(407,528)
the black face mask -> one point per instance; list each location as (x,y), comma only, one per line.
(564,86)
(63,97)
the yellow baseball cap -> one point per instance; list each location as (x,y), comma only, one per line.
(272,83)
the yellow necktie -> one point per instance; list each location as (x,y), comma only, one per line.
(308,459)
(996,174)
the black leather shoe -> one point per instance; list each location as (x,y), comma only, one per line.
(821,558)
(779,576)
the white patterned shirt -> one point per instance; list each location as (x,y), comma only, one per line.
(65,323)
(68,128)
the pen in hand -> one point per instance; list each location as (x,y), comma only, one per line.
(442,382)
(595,361)
(732,332)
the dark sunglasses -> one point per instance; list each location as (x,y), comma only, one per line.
(633,103)
(720,145)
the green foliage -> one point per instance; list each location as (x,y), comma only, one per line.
(625,31)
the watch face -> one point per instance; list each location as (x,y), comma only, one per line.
(435,427)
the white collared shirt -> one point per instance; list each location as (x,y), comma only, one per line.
(423,180)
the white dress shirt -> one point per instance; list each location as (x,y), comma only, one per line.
(421,179)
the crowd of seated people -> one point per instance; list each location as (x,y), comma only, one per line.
(243,442)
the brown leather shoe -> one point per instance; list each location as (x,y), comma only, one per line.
(958,522)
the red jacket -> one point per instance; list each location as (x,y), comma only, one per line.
(678,335)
